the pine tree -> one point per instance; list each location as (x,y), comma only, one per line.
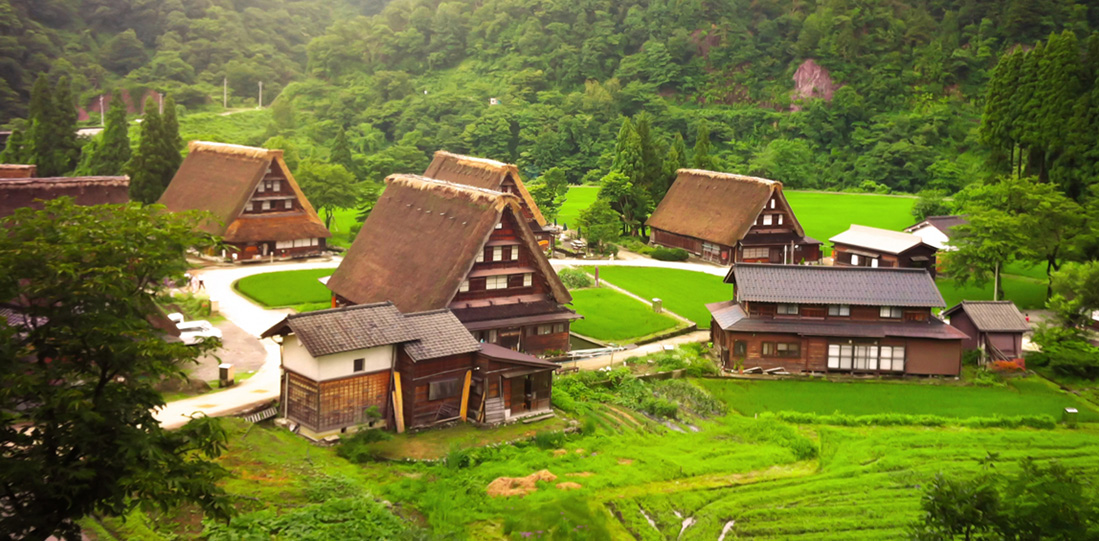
(112,151)
(1061,79)
(702,158)
(171,142)
(18,149)
(148,163)
(675,160)
(67,145)
(627,154)
(341,153)
(652,163)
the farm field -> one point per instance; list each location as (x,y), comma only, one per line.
(342,220)
(1030,396)
(684,292)
(1028,293)
(825,215)
(769,479)
(286,288)
(610,315)
(578,199)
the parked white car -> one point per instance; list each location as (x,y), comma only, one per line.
(192,332)
(176,318)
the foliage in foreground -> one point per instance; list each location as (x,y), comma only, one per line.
(79,370)
(901,419)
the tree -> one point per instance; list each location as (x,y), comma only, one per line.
(341,152)
(652,163)
(931,203)
(155,162)
(628,158)
(1047,503)
(113,150)
(18,149)
(1076,285)
(599,224)
(171,141)
(628,199)
(953,507)
(80,369)
(992,238)
(328,186)
(53,128)
(548,192)
(702,158)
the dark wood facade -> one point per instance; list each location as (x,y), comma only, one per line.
(921,256)
(994,327)
(334,404)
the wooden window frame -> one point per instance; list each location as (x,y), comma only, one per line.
(839,310)
(887,312)
(751,253)
(492,283)
(358,365)
(783,309)
(441,390)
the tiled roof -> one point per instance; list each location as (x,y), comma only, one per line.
(440,334)
(879,240)
(992,316)
(932,329)
(815,284)
(503,354)
(942,223)
(726,313)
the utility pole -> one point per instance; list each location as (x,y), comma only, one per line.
(160,96)
(225,93)
(102,115)
(261,95)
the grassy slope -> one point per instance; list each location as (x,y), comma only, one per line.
(286,288)
(684,292)
(825,215)
(578,199)
(610,315)
(1031,396)
(341,227)
(1028,293)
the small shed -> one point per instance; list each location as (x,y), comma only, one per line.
(995,327)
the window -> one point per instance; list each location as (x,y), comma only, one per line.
(558,328)
(496,282)
(528,279)
(756,253)
(499,225)
(480,256)
(545,329)
(839,310)
(772,203)
(282,244)
(358,365)
(892,358)
(314,241)
(891,312)
(768,349)
(866,358)
(439,390)
(492,336)
(464,287)
(874,263)
(779,219)
(788,309)
(790,349)
(740,348)
(289,204)
(497,253)
(261,187)
(854,259)
(277,186)
(840,356)
(767,219)
(514,253)
(266,205)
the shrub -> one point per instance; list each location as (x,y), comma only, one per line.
(575,278)
(357,447)
(971,357)
(660,407)
(1074,358)
(1007,367)
(988,378)
(635,245)
(670,254)
(549,439)
(563,401)
(690,397)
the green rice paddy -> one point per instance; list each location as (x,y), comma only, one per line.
(684,292)
(286,288)
(613,316)
(577,199)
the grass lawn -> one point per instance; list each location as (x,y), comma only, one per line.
(1030,396)
(825,215)
(578,199)
(684,292)
(1028,293)
(610,315)
(342,221)
(286,288)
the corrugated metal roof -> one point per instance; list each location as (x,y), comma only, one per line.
(992,316)
(815,284)
(881,240)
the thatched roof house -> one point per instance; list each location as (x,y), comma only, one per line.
(257,205)
(15,170)
(430,244)
(17,193)
(725,217)
(490,175)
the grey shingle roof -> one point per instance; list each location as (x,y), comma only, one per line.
(992,316)
(815,284)
(438,334)
(932,329)
(726,313)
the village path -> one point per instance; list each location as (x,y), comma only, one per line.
(253,319)
(641,262)
(619,357)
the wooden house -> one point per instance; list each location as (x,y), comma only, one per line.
(937,230)
(17,193)
(430,244)
(722,217)
(14,170)
(994,327)
(495,176)
(371,366)
(258,208)
(862,246)
(798,318)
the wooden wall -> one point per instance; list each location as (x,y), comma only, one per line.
(416,378)
(335,404)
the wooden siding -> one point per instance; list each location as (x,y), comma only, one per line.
(254,250)
(819,312)
(843,252)
(416,379)
(335,404)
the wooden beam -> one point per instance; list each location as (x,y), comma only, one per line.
(398,402)
(465,396)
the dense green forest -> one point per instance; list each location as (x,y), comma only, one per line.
(837,94)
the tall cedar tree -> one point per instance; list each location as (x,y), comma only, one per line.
(652,163)
(341,153)
(157,157)
(701,159)
(675,160)
(80,370)
(113,149)
(64,125)
(53,128)
(627,154)
(171,141)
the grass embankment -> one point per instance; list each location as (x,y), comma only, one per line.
(610,315)
(248,127)
(1026,396)
(287,288)
(684,292)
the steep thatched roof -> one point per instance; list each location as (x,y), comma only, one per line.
(15,170)
(420,242)
(715,207)
(480,173)
(17,193)
(220,178)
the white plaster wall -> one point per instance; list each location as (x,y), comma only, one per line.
(296,358)
(932,236)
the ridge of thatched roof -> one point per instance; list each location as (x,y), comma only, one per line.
(714,206)
(481,173)
(220,178)
(421,240)
(17,193)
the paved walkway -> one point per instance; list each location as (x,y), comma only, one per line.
(253,319)
(643,262)
(619,357)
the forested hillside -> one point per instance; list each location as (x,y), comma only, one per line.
(828,94)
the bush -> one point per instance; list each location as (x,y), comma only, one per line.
(1007,367)
(1073,358)
(549,439)
(575,278)
(901,419)
(690,396)
(357,447)
(971,357)
(670,254)
(660,407)
(988,378)
(635,245)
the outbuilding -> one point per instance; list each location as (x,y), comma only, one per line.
(994,327)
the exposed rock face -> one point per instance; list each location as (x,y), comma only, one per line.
(811,80)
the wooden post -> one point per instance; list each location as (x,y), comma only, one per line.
(398,402)
(465,396)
